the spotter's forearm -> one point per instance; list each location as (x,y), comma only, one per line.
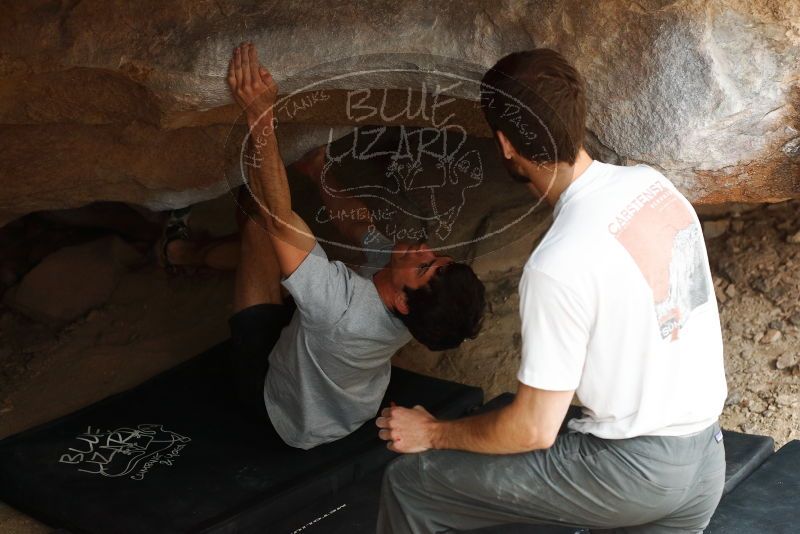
(494,432)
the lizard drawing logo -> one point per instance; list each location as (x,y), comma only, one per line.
(125,451)
(426,162)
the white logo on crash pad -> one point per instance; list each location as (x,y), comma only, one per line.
(125,452)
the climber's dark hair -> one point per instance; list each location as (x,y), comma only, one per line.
(448,309)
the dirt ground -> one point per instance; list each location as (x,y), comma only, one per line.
(152,322)
(757,276)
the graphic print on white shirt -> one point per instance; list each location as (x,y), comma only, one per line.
(616,303)
(662,237)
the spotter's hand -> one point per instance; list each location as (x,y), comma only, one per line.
(406,430)
(251,84)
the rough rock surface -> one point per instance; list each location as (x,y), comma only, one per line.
(72,281)
(127,100)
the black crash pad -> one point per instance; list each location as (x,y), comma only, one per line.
(743,454)
(768,501)
(355,507)
(176,454)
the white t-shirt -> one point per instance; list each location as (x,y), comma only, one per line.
(617,303)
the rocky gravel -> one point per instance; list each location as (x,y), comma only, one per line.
(759,257)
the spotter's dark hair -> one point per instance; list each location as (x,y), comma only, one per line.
(538,100)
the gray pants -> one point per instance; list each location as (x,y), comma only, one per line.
(644,484)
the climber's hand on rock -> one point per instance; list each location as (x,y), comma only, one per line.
(251,84)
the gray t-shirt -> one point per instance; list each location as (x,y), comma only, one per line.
(331,365)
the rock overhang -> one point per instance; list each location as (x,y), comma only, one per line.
(704,91)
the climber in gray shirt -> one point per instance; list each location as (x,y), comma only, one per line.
(318,364)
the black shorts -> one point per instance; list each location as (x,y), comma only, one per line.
(254,332)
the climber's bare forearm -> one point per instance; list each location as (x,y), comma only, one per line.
(291,237)
(268,175)
(254,89)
